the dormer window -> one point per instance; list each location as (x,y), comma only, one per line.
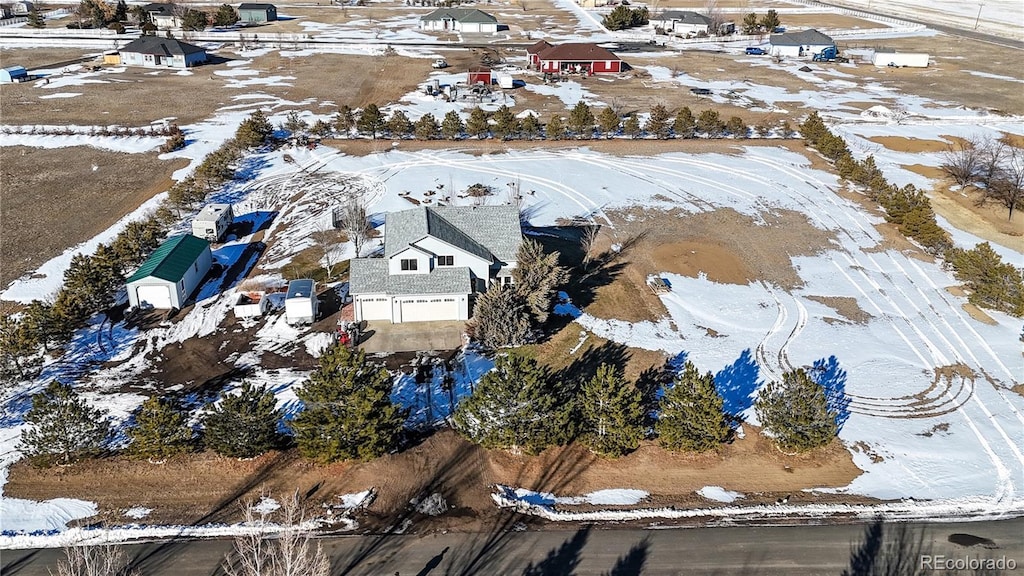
(408,264)
(446,260)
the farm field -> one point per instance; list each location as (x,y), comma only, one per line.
(771,263)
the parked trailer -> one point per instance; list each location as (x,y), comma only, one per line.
(900,59)
(251,305)
(300,305)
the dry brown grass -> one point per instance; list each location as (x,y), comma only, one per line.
(912,145)
(207,488)
(845,306)
(52,199)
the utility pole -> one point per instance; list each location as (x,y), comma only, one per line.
(978,19)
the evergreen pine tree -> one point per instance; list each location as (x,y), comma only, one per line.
(64,428)
(345,120)
(121,11)
(41,326)
(161,430)
(537,278)
(685,125)
(750,24)
(992,283)
(452,126)
(35,19)
(477,124)
(506,125)
(243,425)
(770,21)
(348,413)
(399,125)
(531,126)
(611,413)
(371,121)
(294,123)
(736,127)
(631,127)
(658,123)
(608,121)
(20,349)
(254,131)
(427,128)
(501,318)
(515,406)
(710,124)
(812,129)
(795,412)
(581,121)
(225,15)
(555,128)
(691,415)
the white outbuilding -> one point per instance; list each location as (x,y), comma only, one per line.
(212,222)
(300,304)
(798,44)
(883,58)
(169,276)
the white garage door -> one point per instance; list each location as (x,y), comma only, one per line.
(374,309)
(425,309)
(155,296)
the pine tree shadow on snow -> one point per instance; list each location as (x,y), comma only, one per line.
(737,384)
(827,374)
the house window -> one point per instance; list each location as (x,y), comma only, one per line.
(446,260)
(506,280)
(408,264)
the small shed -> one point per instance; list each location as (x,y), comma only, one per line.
(479,74)
(112,57)
(22,8)
(254,13)
(212,222)
(300,305)
(171,273)
(13,74)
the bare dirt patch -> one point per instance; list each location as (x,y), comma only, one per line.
(59,192)
(986,221)
(206,488)
(722,243)
(911,145)
(845,306)
(979,314)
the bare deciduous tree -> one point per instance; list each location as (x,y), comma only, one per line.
(290,553)
(962,160)
(993,153)
(1006,187)
(352,219)
(102,560)
(587,244)
(326,240)
(714,13)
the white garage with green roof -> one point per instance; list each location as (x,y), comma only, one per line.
(169,276)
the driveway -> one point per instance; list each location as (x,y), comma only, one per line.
(412,336)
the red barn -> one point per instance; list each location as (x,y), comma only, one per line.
(479,74)
(533,52)
(579,58)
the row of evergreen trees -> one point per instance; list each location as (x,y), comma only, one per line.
(991,282)
(522,406)
(91,282)
(347,414)
(581,123)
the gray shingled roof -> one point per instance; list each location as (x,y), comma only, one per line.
(460,14)
(684,16)
(809,37)
(161,46)
(370,276)
(490,232)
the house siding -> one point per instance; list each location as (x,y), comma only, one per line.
(478,266)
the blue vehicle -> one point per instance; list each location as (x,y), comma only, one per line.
(755,51)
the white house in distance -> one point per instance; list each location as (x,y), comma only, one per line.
(155,52)
(164,15)
(435,260)
(796,44)
(171,273)
(685,23)
(459,20)
(212,222)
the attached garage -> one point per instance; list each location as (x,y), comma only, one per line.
(426,309)
(153,296)
(373,308)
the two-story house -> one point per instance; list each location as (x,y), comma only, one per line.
(435,260)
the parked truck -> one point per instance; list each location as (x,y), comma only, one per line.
(829,54)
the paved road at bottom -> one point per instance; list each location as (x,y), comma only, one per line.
(745,550)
